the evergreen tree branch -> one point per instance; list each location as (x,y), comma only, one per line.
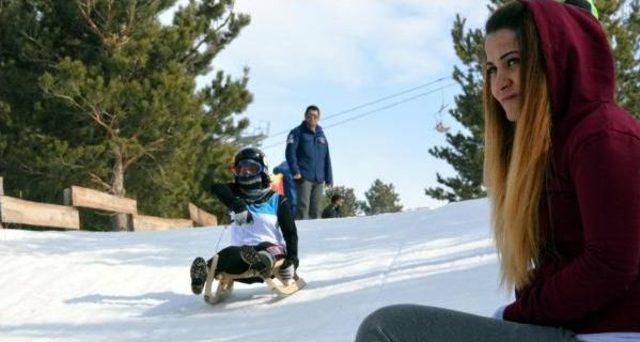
(98,180)
(86,15)
(146,151)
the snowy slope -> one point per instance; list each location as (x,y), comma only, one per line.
(135,286)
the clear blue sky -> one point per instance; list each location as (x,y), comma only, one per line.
(340,54)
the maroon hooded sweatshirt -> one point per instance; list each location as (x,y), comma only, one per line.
(588,278)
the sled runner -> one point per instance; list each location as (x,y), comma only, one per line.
(225,282)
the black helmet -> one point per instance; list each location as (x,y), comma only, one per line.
(254,156)
(250,153)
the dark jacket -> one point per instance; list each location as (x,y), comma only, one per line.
(331,212)
(289,185)
(308,154)
(588,278)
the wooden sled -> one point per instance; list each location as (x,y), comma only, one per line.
(225,282)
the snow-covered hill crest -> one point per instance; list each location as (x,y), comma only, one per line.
(135,286)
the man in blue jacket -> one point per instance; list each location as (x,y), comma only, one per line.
(309,162)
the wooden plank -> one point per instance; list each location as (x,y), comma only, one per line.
(14,210)
(201,217)
(143,222)
(89,198)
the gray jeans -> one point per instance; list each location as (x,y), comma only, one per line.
(309,199)
(424,323)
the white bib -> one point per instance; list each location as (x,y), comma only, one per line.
(263,228)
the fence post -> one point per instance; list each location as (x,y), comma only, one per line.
(201,217)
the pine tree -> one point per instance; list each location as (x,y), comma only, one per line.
(621,19)
(350,204)
(381,198)
(100,93)
(465,152)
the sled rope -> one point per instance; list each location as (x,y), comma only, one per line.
(220,238)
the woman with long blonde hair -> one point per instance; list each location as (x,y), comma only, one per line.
(562,170)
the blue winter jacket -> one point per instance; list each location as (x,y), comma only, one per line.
(308,154)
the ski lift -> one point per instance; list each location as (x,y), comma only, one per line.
(440,126)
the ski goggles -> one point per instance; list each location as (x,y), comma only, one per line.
(247,168)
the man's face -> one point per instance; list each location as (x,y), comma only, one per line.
(311,118)
(339,202)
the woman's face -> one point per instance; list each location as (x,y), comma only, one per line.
(503,70)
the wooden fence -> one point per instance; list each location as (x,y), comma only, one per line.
(19,211)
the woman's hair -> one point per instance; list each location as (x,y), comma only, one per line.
(516,154)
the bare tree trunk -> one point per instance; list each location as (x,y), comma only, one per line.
(119,222)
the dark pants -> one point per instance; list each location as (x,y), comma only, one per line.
(424,323)
(230,261)
(309,198)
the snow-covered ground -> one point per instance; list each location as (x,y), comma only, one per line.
(135,286)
